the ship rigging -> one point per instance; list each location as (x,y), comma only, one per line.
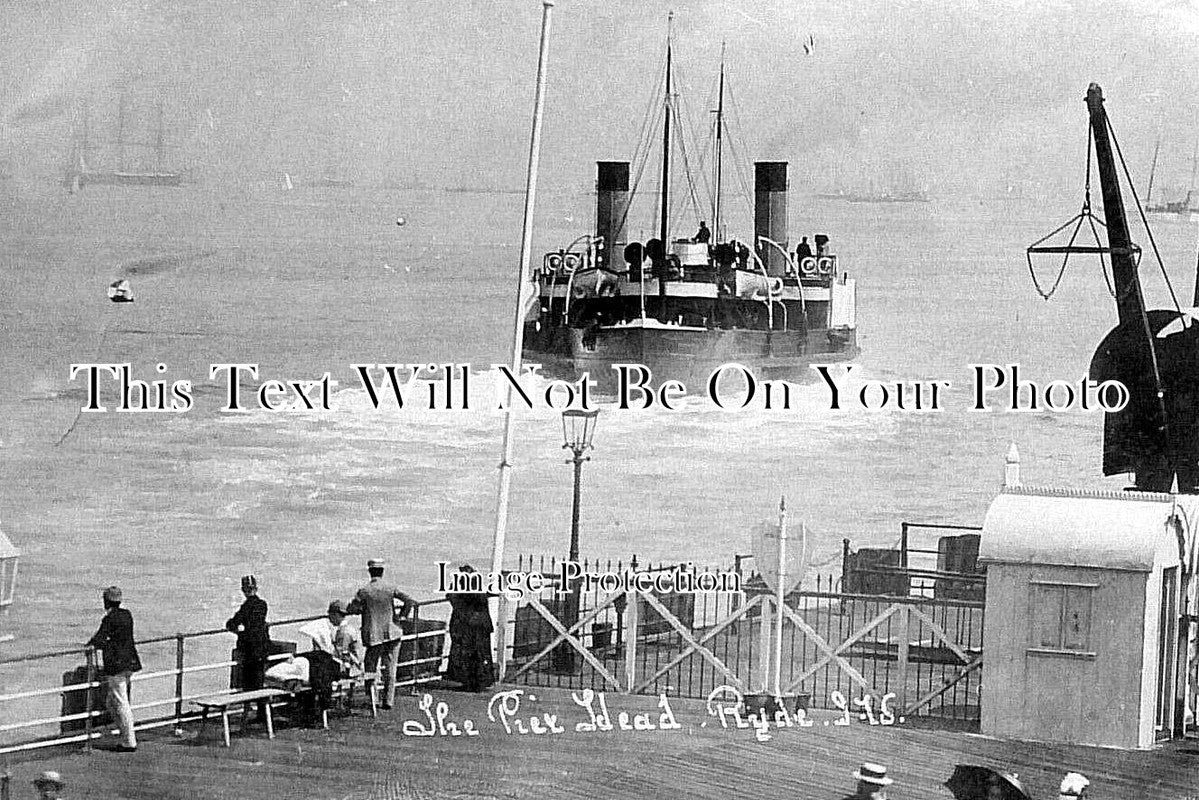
(139,171)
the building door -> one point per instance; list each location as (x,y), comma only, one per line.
(1167,652)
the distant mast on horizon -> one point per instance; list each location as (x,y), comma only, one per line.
(80,172)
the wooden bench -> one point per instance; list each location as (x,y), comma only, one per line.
(224,702)
(343,689)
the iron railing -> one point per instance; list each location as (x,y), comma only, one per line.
(176,670)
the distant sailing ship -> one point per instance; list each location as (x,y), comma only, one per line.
(890,197)
(80,170)
(1184,207)
(886,196)
(330,180)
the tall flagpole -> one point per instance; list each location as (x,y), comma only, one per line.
(526,244)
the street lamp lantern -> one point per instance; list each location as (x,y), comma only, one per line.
(578,427)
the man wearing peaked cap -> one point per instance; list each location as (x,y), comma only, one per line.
(114,640)
(253,639)
(872,782)
(380,631)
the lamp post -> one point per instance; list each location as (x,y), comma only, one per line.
(578,428)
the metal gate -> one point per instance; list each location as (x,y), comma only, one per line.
(839,650)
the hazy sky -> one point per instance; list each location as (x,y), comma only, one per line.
(963,97)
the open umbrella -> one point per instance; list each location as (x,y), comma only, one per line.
(971,782)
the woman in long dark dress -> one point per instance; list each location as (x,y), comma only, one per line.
(470,639)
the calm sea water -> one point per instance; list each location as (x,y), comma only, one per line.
(175,507)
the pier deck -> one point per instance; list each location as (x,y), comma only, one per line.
(361,758)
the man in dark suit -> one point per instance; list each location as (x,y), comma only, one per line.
(380,629)
(114,640)
(253,639)
(803,251)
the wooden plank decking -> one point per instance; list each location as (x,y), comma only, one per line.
(363,759)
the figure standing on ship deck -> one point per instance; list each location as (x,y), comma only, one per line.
(704,234)
(742,254)
(821,245)
(253,639)
(114,640)
(380,625)
(803,251)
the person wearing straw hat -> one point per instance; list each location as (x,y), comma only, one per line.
(872,783)
(1074,787)
(253,639)
(380,632)
(48,785)
(114,640)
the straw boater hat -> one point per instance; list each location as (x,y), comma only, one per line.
(376,563)
(49,778)
(873,773)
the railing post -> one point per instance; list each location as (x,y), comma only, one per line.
(844,565)
(179,684)
(416,656)
(905,636)
(90,655)
(764,643)
(630,640)
(501,637)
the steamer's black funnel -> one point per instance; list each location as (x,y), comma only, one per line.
(611,205)
(770,212)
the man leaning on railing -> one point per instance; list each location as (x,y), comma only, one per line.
(380,629)
(115,640)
